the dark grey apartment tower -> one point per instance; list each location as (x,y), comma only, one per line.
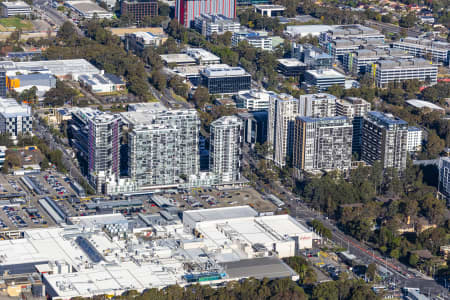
(2,82)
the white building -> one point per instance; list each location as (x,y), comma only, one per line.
(421,104)
(88,9)
(269,10)
(306,30)
(280,127)
(208,25)
(225,149)
(15,8)
(319,105)
(444,176)
(414,142)
(102,83)
(15,119)
(348,32)
(256,39)
(437,51)
(202,56)
(140,40)
(323,79)
(254,100)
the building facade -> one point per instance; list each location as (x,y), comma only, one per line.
(387,71)
(384,139)
(254,127)
(444,177)
(322,143)
(15,8)
(319,105)
(280,129)
(225,149)
(355,109)
(253,100)
(3,82)
(139,9)
(436,51)
(414,143)
(103,149)
(187,10)
(226,80)
(259,40)
(208,25)
(15,119)
(323,79)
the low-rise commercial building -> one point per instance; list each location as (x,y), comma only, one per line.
(253,100)
(291,67)
(229,80)
(102,83)
(323,79)
(256,39)
(138,41)
(348,32)
(88,9)
(339,48)
(423,105)
(202,56)
(322,143)
(269,10)
(15,119)
(436,51)
(178,59)
(360,61)
(16,8)
(387,71)
(306,30)
(208,25)
(314,57)
(43,83)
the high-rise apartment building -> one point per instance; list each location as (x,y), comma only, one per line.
(384,138)
(322,143)
(103,149)
(225,149)
(355,109)
(2,82)
(414,139)
(319,105)
(283,109)
(15,119)
(163,146)
(187,10)
(444,177)
(139,9)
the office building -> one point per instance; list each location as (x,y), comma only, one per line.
(103,149)
(414,142)
(322,143)
(355,109)
(257,39)
(3,83)
(253,100)
(88,9)
(436,51)
(384,139)
(15,119)
(2,155)
(314,57)
(280,129)
(349,32)
(163,146)
(225,80)
(323,79)
(252,2)
(444,177)
(255,127)
(269,10)
(139,41)
(360,61)
(291,67)
(187,10)
(43,82)
(208,25)
(319,105)
(138,10)
(387,71)
(340,47)
(225,149)
(16,8)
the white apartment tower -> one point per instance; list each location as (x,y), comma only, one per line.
(319,105)
(225,149)
(283,109)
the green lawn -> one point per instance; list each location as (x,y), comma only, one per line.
(17,23)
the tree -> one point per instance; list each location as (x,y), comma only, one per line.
(371,271)
(159,79)
(66,31)
(413,259)
(408,20)
(434,145)
(201,96)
